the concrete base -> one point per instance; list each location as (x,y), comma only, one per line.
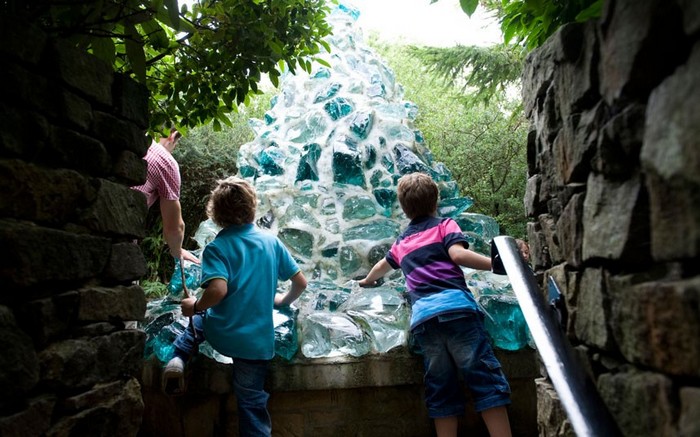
(374,395)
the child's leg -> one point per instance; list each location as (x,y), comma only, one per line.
(497,422)
(186,344)
(446,426)
(249,388)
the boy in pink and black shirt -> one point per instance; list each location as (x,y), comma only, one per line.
(446,321)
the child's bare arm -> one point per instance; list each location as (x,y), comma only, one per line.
(379,270)
(468,258)
(298,286)
(213,294)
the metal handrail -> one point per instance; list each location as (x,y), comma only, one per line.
(578,394)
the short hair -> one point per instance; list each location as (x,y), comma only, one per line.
(232,202)
(418,195)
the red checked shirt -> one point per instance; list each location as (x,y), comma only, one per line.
(163,178)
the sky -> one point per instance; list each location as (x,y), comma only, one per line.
(441,24)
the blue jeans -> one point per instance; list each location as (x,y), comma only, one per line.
(453,345)
(248,383)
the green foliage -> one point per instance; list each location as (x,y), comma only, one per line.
(531,22)
(198,64)
(485,72)
(482,144)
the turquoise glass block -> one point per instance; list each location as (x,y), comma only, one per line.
(359,207)
(330,251)
(271,161)
(480,224)
(298,240)
(411,110)
(419,136)
(477,243)
(273,101)
(307,168)
(349,260)
(454,207)
(286,338)
(308,128)
(448,190)
(409,162)
(322,73)
(338,107)
(377,252)
(388,163)
(310,199)
(385,197)
(331,334)
(193,277)
(370,157)
(299,214)
(347,163)
(376,87)
(376,178)
(269,118)
(504,321)
(361,124)
(443,173)
(374,231)
(328,92)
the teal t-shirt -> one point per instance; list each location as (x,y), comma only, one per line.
(251,262)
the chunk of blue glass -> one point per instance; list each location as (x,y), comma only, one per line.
(322,73)
(273,101)
(374,230)
(359,207)
(376,87)
(484,226)
(454,207)
(349,260)
(327,334)
(376,178)
(266,220)
(307,169)
(388,163)
(338,107)
(337,299)
(361,124)
(409,162)
(448,189)
(353,12)
(385,197)
(296,214)
(271,160)
(310,199)
(383,311)
(504,321)
(286,339)
(377,253)
(307,128)
(330,250)
(328,92)
(328,206)
(419,136)
(298,240)
(193,277)
(411,110)
(370,156)
(269,118)
(442,173)
(347,163)
(477,243)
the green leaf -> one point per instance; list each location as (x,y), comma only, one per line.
(104,49)
(469,6)
(593,11)
(173,13)
(134,52)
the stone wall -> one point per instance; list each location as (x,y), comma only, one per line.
(72,134)
(613,199)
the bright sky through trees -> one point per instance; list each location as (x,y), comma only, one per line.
(441,24)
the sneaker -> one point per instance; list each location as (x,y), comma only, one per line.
(174,376)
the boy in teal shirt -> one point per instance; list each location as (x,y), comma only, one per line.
(240,270)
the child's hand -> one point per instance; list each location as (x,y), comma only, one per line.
(187,306)
(365,283)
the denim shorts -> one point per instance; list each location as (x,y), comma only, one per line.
(453,345)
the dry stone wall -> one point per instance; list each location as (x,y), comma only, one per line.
(613,199)
(72,134)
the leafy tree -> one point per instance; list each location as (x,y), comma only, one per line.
(199,63)
(482,144)
(531,22)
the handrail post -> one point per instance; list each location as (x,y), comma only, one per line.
(578,394)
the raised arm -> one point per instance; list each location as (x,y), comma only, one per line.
(378,271)
(468,258)
(298,286)
(174,229)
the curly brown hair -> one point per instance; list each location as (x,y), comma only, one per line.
(418,195)
(232,202)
